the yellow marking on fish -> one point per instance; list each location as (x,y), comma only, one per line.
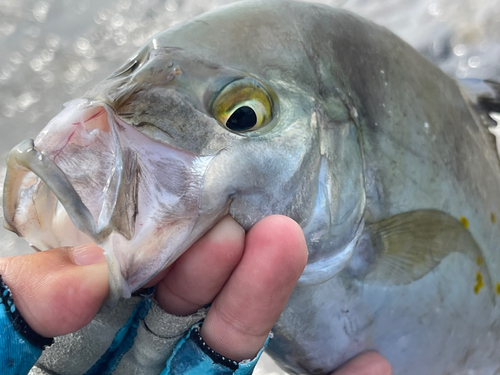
(479,261)
(493,218)
(479,282)
(497,288)
(464,222)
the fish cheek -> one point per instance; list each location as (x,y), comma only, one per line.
(170,117)
(261,176)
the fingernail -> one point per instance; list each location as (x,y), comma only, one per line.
(86,255)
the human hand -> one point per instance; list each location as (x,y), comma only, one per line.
(249,280)
(248,277)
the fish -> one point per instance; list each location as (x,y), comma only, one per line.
(299,109)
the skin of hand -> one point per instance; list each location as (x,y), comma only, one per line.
(248,278)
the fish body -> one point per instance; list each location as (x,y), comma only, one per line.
(281,107)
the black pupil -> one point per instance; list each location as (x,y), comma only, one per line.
(244,118)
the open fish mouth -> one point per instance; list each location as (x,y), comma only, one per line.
(44,172)
(91,177)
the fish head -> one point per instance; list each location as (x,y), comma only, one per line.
(183,133)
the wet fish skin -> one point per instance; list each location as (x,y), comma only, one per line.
(394,135)
(371,147)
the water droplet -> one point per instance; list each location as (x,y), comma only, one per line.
(7,28)
(81,6)
(171,5)
(5,74)
(40,10)
(120,38)
(48,76)
(130,26)
(434,10)
(33,116)
(104,14)
(46,56)
(36,64)
(33,31)
(98,19)
(9,112)
(474,61)
(82,44)
(89,53)
(461,72)
(71,74)
(90,65)
(25,100)
(125,4)
(460,49)
(16,58)
(117,21)
(53,41)
(28,45)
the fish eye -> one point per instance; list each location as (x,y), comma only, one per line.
(243,105)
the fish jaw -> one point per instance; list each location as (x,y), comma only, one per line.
(91,177)
(43,172)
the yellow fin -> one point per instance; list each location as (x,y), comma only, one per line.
(407,246)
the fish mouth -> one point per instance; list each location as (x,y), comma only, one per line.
(43,171)
(23,161)
(91,177)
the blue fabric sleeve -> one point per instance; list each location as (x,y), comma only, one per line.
(17,354)
(123,341)
(192,356)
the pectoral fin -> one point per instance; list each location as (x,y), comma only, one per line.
(407,246)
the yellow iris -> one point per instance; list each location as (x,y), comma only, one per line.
(243,106)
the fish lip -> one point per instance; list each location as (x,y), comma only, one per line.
(26,157)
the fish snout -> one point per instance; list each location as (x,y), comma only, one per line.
(44,192)
(90,176)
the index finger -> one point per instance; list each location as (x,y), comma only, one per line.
(245,310)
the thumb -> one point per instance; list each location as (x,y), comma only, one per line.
(57,291)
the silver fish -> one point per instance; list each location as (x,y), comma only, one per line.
(281,107)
